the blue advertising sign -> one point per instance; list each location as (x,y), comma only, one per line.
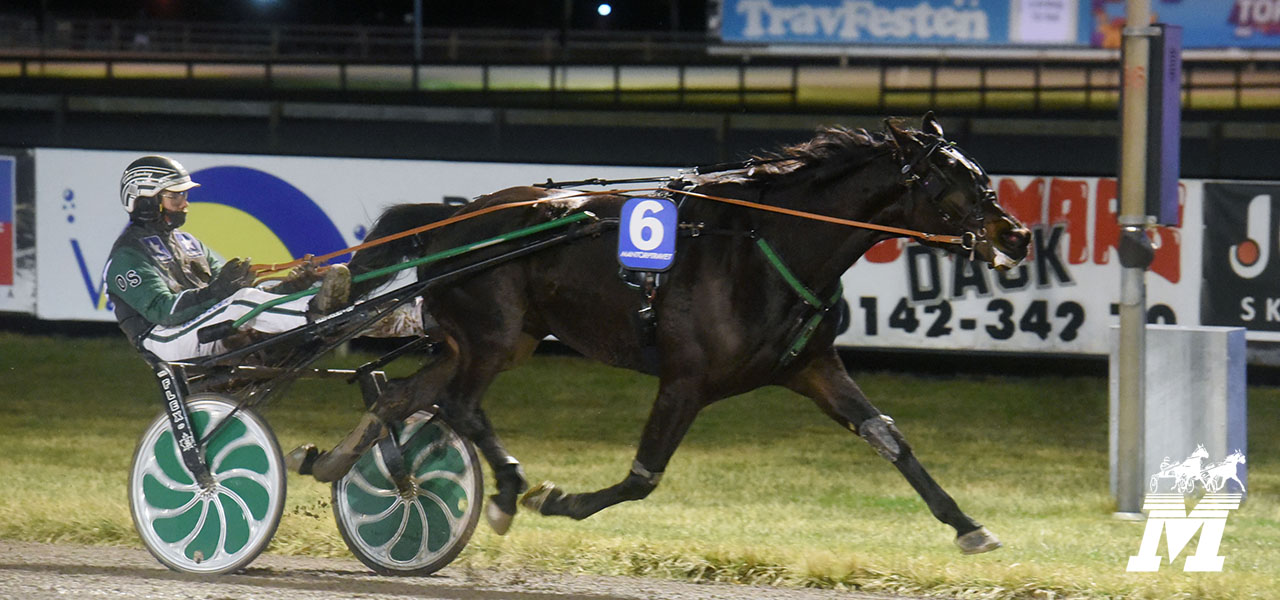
(1205,23)
(915,22)
(647,234)
(1096,23)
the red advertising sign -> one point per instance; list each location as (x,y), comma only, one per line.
(6,253)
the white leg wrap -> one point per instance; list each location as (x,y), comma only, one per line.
(878,432)
(646,474)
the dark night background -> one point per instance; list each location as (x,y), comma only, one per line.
(639,15)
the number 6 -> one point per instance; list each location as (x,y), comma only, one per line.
(640,222)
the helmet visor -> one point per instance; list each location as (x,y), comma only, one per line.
(181,185)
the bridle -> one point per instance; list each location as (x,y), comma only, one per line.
(935,184)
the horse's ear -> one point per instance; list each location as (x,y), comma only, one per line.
(930,125)
(906,143)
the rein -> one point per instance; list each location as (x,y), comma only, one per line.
(965,241)
(316,260)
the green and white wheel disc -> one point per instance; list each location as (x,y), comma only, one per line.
(221,529)
(421,531)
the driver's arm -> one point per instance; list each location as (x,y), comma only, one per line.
(136,281)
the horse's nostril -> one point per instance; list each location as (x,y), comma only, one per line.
(1015,238)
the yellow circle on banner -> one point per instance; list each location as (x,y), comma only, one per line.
(234,233)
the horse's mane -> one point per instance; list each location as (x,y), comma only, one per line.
(831,152)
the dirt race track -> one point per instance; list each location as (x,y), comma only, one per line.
(30,571)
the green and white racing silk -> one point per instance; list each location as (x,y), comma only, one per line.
(152,276)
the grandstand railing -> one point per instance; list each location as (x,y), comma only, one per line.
(595,68)
(145,38)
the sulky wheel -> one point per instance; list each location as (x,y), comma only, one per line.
(215,529)
(421,524)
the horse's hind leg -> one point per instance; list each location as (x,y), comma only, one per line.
(673,412)
(501,509)
(826,382)
(400,399)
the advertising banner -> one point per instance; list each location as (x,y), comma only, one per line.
(17,251)
(1061,299)
(1083,23)
(268,208)
(1204,23)
(914,22)
(1242,258)
(8,202)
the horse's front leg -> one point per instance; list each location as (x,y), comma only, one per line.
(826,382)
(673,412)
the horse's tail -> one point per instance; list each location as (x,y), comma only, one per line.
(397,219)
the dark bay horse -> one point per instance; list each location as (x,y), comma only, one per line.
(726,315)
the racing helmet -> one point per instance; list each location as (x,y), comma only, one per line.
(145,178)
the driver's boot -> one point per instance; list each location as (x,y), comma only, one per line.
(334,290)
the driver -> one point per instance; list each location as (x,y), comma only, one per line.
(166,284)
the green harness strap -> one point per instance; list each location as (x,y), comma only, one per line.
(430,258)
(802,339)
(821,308)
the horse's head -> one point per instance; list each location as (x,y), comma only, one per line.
(1200,452)
(949,193)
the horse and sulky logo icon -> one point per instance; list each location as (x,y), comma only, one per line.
(1167,515)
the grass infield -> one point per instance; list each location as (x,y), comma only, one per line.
(765,489)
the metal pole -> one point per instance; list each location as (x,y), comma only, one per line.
(1133,156)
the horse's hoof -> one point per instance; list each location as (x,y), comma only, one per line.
(978,541)
(537,497)
(301,459)
(499,520)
